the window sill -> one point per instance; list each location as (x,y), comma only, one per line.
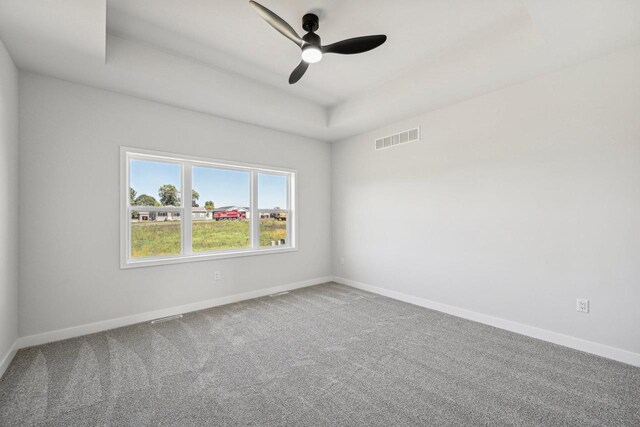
(155,261)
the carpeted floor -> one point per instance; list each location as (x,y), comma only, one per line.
(325,355)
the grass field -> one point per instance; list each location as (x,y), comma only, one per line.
(151,238)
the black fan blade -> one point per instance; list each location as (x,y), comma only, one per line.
(355,45)
(278,23)
(298,72)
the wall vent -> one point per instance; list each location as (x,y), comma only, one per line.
(410,135)
(279,294)
(166,319)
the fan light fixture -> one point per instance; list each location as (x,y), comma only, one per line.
(310,43)
(311,54)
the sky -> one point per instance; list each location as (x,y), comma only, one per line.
(222,186)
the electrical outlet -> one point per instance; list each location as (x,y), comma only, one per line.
(582,305)
(216,275)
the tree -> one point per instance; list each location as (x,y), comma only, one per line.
(194,198)
(208,205)
(132,196)
(169,195)
(145,200)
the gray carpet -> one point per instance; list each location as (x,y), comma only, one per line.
(325,355)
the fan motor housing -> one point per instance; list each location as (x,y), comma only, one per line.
(310,22)
(312,38)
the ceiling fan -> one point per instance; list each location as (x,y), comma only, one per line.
(312,49)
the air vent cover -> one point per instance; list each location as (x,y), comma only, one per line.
(410,135)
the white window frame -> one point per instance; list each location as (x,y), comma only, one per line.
(187,163)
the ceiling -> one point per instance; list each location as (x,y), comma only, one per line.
(219,57)
(232,29)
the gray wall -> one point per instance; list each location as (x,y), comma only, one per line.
(69,160)
(9,210)
(513,204)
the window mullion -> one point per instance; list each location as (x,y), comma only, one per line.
(291,203)
(255,220)
(187,248)
(127,204)
(289,213)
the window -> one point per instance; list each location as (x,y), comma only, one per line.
(179,209)
(230,225)
(272,207)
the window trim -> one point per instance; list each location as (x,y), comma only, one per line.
(187,162)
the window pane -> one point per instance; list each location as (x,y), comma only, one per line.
(154,183)
(272,191)
(154,233)
(273,229)
(220,211)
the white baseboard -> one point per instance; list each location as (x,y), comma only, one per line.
(520,328)
(91,328)
(6,360)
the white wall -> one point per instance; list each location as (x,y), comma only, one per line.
(9,210)
(69,166)
(513,204)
